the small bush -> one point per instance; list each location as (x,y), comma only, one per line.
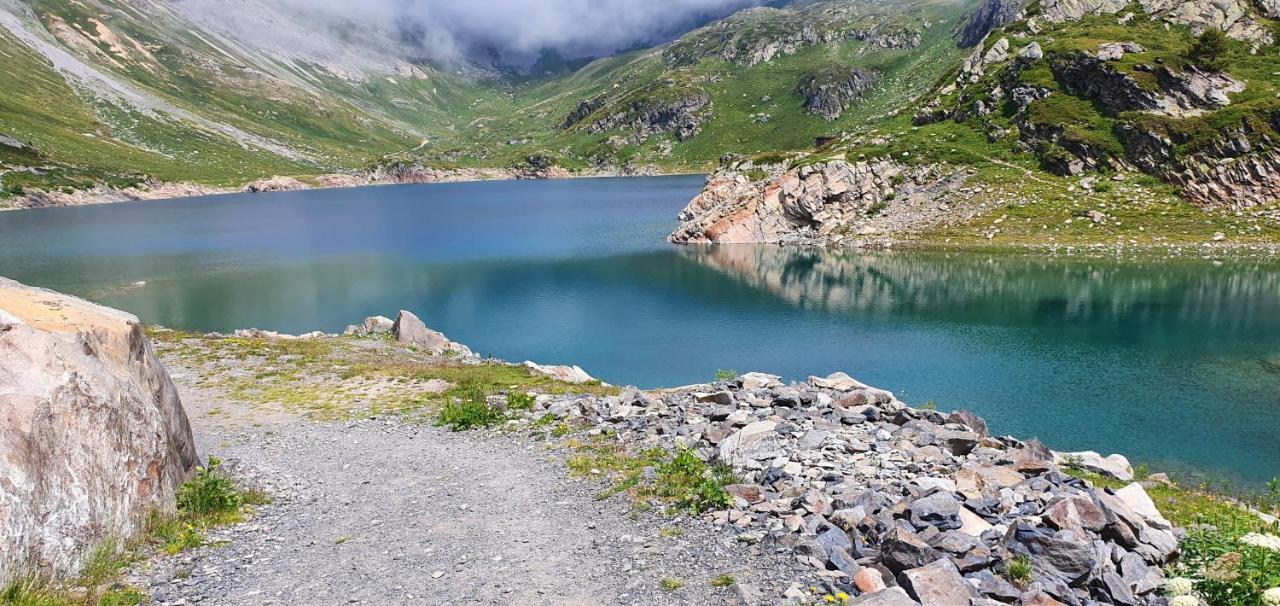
(1019,571)
(1209,51)
(209,493)
(723,580)
(687,481)
(470,411)
(519,401)
(671,584)
(878,206)
(726,375)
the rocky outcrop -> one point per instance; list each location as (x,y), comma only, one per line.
(1057,11)
(1240,169)
(1186,93)
(568,374)
(275,184)
(832,91)
(1234,17)
(831,202)
(894,505)
(410,330)
(759,35)
(93,437)
(682,115)
(989,15)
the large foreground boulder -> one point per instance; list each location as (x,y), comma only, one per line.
(92,434)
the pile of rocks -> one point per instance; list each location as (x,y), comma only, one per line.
(899,505)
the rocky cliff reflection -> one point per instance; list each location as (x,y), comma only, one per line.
(1139,300)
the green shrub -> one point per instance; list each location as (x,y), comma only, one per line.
(879,206)
(210,493)
(726,375)
(1226,570)
(1209,51)
(687,481)
(470,410)
(723,580)
(1018,570)
(519,401)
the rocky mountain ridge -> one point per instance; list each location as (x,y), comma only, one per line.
(1069,93)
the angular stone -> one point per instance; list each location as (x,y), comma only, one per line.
(751,443)
(410,330)
(1071,559)
(1114,466)
(936,584)
(749,493)
(1076,512)
(893,596)
(939,509)
(373,325)
(1140,502)
(902,550)
(868,580)
(721,397)
(567,374)
(971,420)
(758,380)
(93,437)
(992,586)
(972,524)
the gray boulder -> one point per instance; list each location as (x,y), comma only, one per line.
(936,584)
(93,437)
(372,325)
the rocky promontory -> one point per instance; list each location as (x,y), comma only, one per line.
(831,202)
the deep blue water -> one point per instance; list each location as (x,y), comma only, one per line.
(1174,363)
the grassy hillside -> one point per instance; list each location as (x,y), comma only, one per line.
(1079,165)
(118,92)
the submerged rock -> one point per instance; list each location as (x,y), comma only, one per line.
(93,437)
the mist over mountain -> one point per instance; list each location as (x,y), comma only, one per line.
(498,33)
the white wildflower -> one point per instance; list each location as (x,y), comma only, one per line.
(1185,600)
(1179,586)
(1271,597)
(1265,541)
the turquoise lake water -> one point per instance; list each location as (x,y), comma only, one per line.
(1174,363)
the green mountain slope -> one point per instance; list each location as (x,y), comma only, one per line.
(1075,123)
(116,92)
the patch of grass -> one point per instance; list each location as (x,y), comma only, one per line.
(669,532)
(470,410)
(724,580)
(671,583)
(687,481)
(1018,571)
(211,495)
(726,375)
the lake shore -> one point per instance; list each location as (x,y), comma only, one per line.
(808,472)
(414,176)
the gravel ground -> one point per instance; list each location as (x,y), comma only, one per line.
(380,512)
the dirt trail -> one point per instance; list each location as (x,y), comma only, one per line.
(382,512)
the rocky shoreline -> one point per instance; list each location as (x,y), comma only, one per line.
(401,175)
(884,502)
(823,490)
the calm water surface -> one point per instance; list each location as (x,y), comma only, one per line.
(1175,363)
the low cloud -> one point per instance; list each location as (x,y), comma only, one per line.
(512,32)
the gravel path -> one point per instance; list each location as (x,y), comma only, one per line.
(379,512)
